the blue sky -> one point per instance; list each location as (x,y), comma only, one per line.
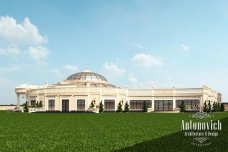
(134,43)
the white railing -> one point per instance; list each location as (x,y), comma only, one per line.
(95,110)
(36,110)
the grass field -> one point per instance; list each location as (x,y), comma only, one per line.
(77,132)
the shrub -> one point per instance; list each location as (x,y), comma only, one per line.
(145,106)
(92,105)
(222,107)
(119,108)
(182,107)
(26,107)
(209,106)
(101,107)
(126,107)
(40,104)
(205,107)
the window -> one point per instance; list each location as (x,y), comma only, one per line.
(189,104)
(81,104)
(138,104)
(109,104)
(51,104)
(88,77)
(163,105)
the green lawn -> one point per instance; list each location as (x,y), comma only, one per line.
(61,132)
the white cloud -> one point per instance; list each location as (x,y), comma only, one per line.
(25,33)
(185,48)
(71,68)
(38,52)
(147,60)
(112,69)
(11,50)
(15,37)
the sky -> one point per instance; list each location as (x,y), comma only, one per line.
(133,43)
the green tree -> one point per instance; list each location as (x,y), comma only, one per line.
(119,108)
(209,106)
(222,107)
(205,107)
(26,107)
(182,107)
(40,104)
(213,107)
(92,105)
(219,106)
(37,104)
(101,107)
(145,106)
(216,107)
(126,107)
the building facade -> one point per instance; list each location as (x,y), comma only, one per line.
(79,90)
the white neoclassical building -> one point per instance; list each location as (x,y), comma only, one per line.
(78,91)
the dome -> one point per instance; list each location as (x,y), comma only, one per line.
(86,76)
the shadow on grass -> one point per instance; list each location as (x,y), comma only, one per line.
(178,142)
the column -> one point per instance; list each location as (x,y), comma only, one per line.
(18,100)
(174,103)
(100,98)
(152,99)
(152,103)
(174,99)
(118,100)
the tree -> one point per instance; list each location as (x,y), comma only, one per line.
(26,107)
(119,108)
(209,106)
(145,106)
(214,107)
(205,107)
(37,104)
(93,104)
(126,107)
(182,107)
(222,107)
(101,107)
(40,104)
(219,106)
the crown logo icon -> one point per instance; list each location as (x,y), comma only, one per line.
(201,115)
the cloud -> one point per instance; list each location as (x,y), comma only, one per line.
(25,33)
(15,37)
(147,60)
(38,52)
(185,48)
(11,50)
(113,69)
(71,68)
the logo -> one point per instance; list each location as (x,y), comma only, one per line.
(201,128)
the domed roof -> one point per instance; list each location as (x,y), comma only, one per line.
(86,76)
